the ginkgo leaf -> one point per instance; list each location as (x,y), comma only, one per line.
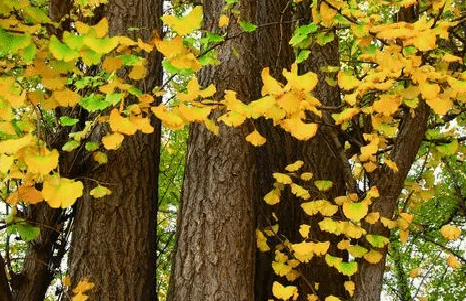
(347,81)
(323,185)
(453,262)
(100,191)
(261,241)
(112,141)
(284,293)
(299,191)
(255,138)
(373,256)
(282,178)
(281,268)
(377,241)
(100,157)
(347,268)
(25,193)
(299,129)
(294,166)
(388,222)
(61,192)
(440,105)
(370,149)
(186,24)
(332,261)
(304,230)
(404,236)
(355,211)
(223,20)
(391,164)
(350,286)
(306,176)
(332,298)
(121,124)
(83,286)
(450,232)
(41,161)
(372,217)
(320,206)
(273,197)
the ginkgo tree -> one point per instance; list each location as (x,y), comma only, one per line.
(370,105)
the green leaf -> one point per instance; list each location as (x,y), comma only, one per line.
(377,241)
(35,15)
(307,29)
(323,185)
(323,38)
(70,145)
(94,103)
(27,232)
(68,121)
(91,146)
(247,26)
(302,56)
(347,268)
(61,51)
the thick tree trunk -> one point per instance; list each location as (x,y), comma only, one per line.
(114,242)
(214,259)
(320,154)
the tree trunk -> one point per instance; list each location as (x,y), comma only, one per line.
(114,242)
(214,257)
(320,154)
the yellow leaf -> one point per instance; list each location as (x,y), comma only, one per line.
(450,232)
(66,281)
(223,21)
(347,81)
(387,104)
(453,262)
(112,141)
(299,191)
(273,197)
(370,149)
(299,129)
(61,192)
(310,297)
(327,14)
(372,218)
(282,178)
(121,124)
(26,193)
(350,286)
(12,146)
(66,97)
(280,268)
(100,157)
(80,297)
(373,256)
(391,164)
(388,222)
(404,220)
(429,91)
(323,185)
(304,230)
(177,54)
(83,286)
(261,241)
(440,105)
(186,24)
(294,166)
(41,161)
(168,118)
(306,176)
(100,191)
(370,166)
(332,298)
(320,206)
(138,71)
(284,293)
(449,58)
(355,211)
(305,82)
(255,138)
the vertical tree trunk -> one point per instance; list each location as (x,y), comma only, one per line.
(320,154)
(114,241)
(214,259)
(43,254)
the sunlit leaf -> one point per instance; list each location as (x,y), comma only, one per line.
(284,293)
(186,24)
(61,192)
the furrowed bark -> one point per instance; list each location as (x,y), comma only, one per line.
(214,258)
(114,241)
(320,155)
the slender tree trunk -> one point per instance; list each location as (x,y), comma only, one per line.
(411,131)
(214,258)
(114,242)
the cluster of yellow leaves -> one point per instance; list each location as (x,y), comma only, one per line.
(81,288)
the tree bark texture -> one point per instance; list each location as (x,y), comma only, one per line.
(320,154)
(214,258)
(411,131)
(114,242)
